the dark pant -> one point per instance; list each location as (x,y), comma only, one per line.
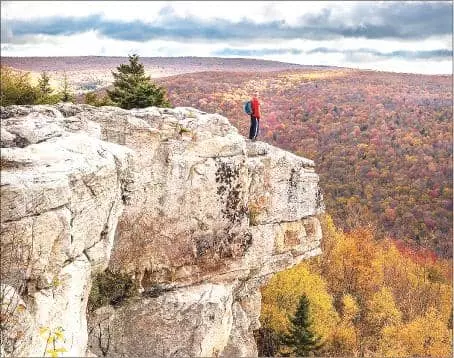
(254,130)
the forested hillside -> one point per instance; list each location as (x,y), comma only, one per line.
(382,142)
(366,298)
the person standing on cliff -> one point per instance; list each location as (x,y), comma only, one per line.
(255,117)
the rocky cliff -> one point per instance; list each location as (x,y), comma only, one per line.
(187,215)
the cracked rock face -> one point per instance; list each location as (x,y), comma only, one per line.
(195,214)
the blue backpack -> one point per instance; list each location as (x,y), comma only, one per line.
(247,107)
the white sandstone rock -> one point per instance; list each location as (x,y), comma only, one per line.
(175,198)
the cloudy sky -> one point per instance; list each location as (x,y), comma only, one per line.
(390,35)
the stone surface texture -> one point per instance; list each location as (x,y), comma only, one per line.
(198,216)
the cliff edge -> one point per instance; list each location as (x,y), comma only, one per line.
(195,215)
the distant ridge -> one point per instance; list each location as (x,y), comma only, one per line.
(174,65)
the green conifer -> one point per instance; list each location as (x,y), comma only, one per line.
(301,340)
(66,95)
(44,85)
(133,89)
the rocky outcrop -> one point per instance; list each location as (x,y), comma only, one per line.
(197,216)
(61,197)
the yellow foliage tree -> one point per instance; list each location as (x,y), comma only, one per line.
(381,310)
(417,286)
(345,335)
(351,262)
(425,336)
(350,308)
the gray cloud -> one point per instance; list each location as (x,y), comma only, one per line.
(393,19)
(399,20)
(5,32)
(409,55)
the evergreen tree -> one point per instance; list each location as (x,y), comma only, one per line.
(132,89)
(44,91)
(301,340)
(66,95)
(44,85)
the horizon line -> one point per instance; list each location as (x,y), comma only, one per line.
(242,58)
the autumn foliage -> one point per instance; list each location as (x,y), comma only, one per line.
(367,298)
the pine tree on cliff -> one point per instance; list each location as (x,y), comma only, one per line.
(66,95)
(44,84)
(132,89)
(301,340)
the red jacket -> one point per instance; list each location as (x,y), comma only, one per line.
(255,108)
